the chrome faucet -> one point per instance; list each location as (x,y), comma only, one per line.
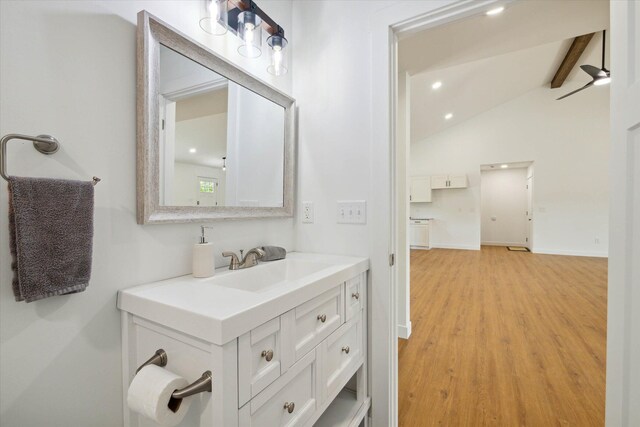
(248,260)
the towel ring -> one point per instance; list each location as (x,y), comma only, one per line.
(45,144)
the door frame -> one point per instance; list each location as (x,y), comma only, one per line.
(623,316)
(387,26)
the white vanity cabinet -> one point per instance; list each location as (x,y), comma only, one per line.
(307,364)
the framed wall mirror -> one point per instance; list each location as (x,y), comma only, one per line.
(213,141)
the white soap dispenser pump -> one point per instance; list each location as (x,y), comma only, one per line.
(203,257)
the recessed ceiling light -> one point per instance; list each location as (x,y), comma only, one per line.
(436,85)
(504,166)
(496,11)
(192,150)
(448,116)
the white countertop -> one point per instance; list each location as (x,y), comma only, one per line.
(217,311)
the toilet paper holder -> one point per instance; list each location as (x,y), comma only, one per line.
(200,385)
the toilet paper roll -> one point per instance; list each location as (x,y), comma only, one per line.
(150,395)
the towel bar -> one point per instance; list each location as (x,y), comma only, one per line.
(200,385)
(45,144)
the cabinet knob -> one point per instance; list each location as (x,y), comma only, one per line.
(355,295)
(267,354)
(289,406)
(322,317)
(346,349)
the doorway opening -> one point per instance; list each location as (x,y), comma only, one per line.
(506,201)
(466,100)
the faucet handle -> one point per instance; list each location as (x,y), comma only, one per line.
(235,262)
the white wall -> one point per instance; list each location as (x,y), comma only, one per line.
(332,86)
(503,207)
(255,150)
(68,68)
(569,142)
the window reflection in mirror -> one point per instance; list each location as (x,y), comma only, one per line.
(220,143)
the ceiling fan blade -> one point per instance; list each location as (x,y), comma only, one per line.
(577,90)
(591,70)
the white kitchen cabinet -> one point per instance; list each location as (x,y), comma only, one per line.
(419,233)
(441,182)
(420,189)
(458,181)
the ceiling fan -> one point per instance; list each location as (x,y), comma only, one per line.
(600,76)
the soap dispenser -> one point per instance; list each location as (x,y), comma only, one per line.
(203,257)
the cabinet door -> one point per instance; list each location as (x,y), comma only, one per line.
(439,181)
(341,353)
(457,181)
(259,359)
(422,235)
(421,189)
(355,295)
(308,324)
(290,401)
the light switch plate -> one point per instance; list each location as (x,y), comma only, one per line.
(352,212)
(307,212)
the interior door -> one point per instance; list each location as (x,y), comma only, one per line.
(529,213)
(623,327)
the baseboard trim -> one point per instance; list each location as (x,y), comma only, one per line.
(570,253)
(503,243)
(461,247)
(404,331)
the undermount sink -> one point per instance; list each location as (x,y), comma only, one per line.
(269,275)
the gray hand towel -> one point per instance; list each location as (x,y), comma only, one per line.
(51,236)
(273,253)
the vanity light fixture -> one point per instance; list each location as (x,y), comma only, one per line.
(504,166)
(250,32)
(277,43)
(214,17)
(436,85)
(246,20)
(224,163)
(192,150)
(495,11)
(448,116)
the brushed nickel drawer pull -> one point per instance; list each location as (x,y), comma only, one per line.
(355,295)
(267,354)
(289,406)
(346,349)
(322,317)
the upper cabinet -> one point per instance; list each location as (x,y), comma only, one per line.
(439,182)
(420,189)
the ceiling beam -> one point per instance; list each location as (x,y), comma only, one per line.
(573,54)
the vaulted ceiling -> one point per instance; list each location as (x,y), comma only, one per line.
(485,61)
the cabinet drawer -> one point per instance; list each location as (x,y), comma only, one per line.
(354,295)
(259,359)
(341,353)
(290,401)
(307,325)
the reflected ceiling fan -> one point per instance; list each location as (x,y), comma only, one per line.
(600,76)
